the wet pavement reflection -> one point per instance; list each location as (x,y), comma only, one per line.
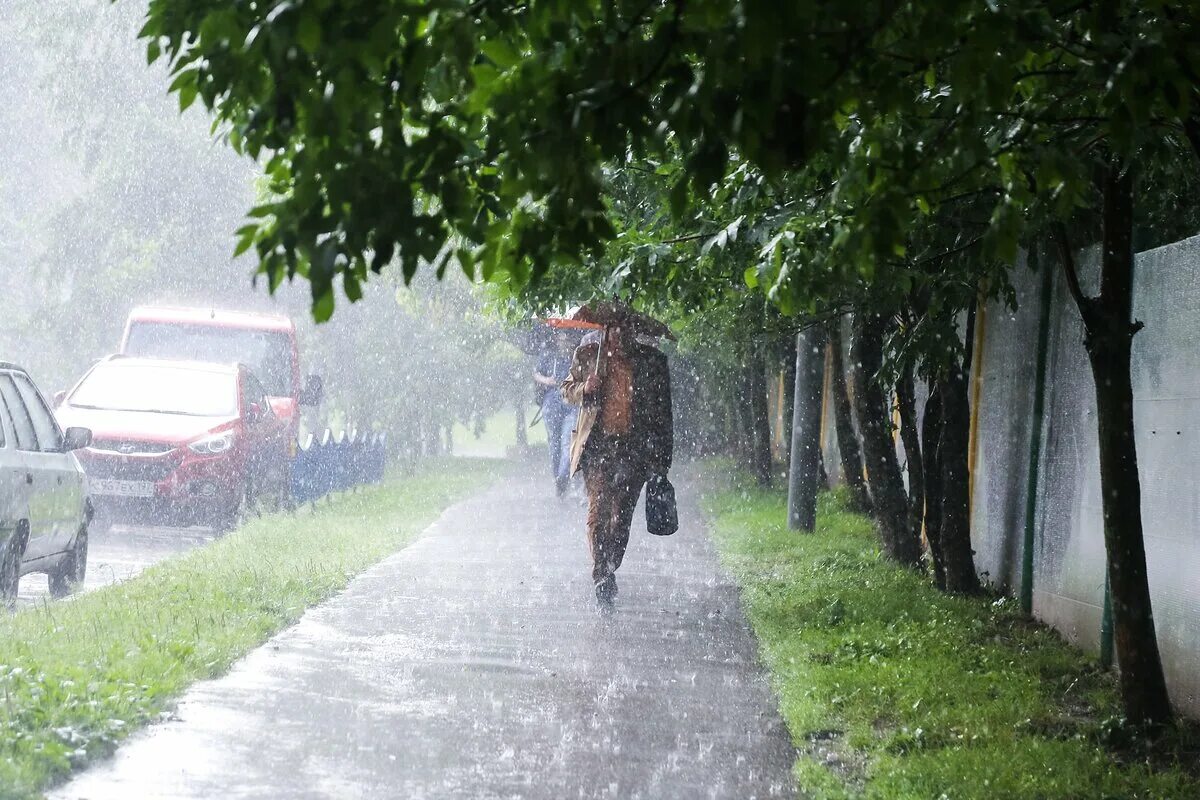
(118,554)
(475,664)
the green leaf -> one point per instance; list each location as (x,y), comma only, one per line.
(322,308)
(751,277)
(500,53)
(183,78)
(466,260)
(308,33)
(187,96)
(679,197)
(246,235)
(352,287)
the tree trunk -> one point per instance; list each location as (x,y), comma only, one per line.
(805,465)
(522,436)
(433,435)
(760,418)
(852,467)
(743,416)
(421,444)
(883,472)
(931,436)
(428,436)
(1108,339)
(788,352)
(906,402)
(958,559)
(725,425)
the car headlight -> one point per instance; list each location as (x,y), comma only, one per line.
(213,445)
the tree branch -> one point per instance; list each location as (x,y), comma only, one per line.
(1067,259)
(672,36)
(1045,73)
(689,238)
(953,251)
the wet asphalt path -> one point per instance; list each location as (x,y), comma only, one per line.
(118,554)
(474,664)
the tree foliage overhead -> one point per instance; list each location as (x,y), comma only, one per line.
(477,129)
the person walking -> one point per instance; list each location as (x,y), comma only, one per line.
(624,437)
(559,417)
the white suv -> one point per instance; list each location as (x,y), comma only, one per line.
(44,507)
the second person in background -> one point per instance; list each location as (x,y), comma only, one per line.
(553,366)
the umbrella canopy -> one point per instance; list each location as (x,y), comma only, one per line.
(602,314)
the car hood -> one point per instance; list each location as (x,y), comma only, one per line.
(140,425)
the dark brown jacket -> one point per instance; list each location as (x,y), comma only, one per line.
(653,427)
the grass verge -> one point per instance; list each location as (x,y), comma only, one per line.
(892,689)
(498,436)
(77,677)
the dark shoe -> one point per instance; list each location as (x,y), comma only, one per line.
(606,590)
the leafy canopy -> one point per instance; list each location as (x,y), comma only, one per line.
(475,131)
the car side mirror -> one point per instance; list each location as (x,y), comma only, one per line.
(76,439)
(59,396)
(313,391)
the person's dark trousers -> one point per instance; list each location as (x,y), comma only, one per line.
(614,479)
(553,412)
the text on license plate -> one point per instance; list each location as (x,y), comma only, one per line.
(112,486)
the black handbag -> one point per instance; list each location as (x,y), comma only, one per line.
(662,515)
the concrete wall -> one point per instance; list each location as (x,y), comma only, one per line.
(1068,545)
(1068,577)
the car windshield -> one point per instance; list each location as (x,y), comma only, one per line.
(268,354)
(160,388)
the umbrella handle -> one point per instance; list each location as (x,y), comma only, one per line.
(600,370)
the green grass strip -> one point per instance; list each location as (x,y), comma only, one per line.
(77,677)
(892,689)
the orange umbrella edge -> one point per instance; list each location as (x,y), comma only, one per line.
(559,322)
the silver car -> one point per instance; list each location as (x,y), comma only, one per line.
(44,507)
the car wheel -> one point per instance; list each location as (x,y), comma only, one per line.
(225,520)
(72,568)
(100,526)
(252,498)
(10,569)
(286,501)
(280,482)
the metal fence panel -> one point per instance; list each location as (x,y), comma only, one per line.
(337,463)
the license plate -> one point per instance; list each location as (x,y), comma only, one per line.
(119,488)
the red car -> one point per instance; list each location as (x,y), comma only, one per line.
(177,442)
(266,343)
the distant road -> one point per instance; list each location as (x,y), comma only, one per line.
(120,554)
